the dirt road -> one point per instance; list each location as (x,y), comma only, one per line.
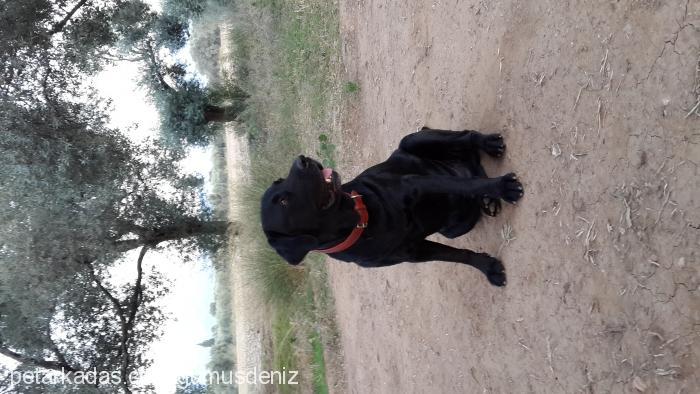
(592,98)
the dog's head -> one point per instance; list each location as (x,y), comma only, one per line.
(306,211)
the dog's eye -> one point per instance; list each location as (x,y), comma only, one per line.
(283,202)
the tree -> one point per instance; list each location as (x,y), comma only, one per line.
(49,47)
(52,43)
(139,29)
(73,180)
(75,196)
(189,110)
(186,9)
(84,327)
(190,113)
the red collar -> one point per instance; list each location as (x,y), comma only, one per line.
(361,209)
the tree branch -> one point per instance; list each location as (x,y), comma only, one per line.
(186,229)
(123,346)
(126,322)
(37,362)
(135,300)
(183,230)
(127,245)
(62,23)
(155,65)
(56,351)
(118,58)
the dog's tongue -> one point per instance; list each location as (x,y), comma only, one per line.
(327,173)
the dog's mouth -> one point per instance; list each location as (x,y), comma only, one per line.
(331,186)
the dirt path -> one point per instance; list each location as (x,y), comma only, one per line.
(603,273)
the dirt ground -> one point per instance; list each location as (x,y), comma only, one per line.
(602,260)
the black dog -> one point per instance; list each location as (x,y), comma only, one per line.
(433,183)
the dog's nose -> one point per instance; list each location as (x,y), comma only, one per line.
(301,162)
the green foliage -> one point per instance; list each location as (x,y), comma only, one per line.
(192,114)
(45,51)
(182,114)
(185,9)
(171,32)
(351,87)
(140,30)
(326,151)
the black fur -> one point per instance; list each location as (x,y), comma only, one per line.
(433,183)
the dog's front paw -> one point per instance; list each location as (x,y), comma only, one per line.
(511,188)
(496,272)
(493,145)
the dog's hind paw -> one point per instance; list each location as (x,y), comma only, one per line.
(490,206)
(493,145)
(496,273)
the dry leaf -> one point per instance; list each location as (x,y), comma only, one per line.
(639,384)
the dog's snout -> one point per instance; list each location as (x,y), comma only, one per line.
(304,163)
(301,162)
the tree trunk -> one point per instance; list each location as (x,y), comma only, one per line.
(184,230)
(213,113)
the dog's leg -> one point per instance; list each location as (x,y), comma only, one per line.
(489,206)
(432,251)
(437,144)
(506,187)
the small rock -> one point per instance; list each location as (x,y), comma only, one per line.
(681,262)
(556,150)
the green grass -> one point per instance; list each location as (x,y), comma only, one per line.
(318,365)
(286,55)
(326,151)
(351,87)
(284,341)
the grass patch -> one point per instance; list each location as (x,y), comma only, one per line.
(351,87)
(284,342)
(318,365)
(326,151)
(285,54)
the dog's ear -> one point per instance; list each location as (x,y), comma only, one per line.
(293,249)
